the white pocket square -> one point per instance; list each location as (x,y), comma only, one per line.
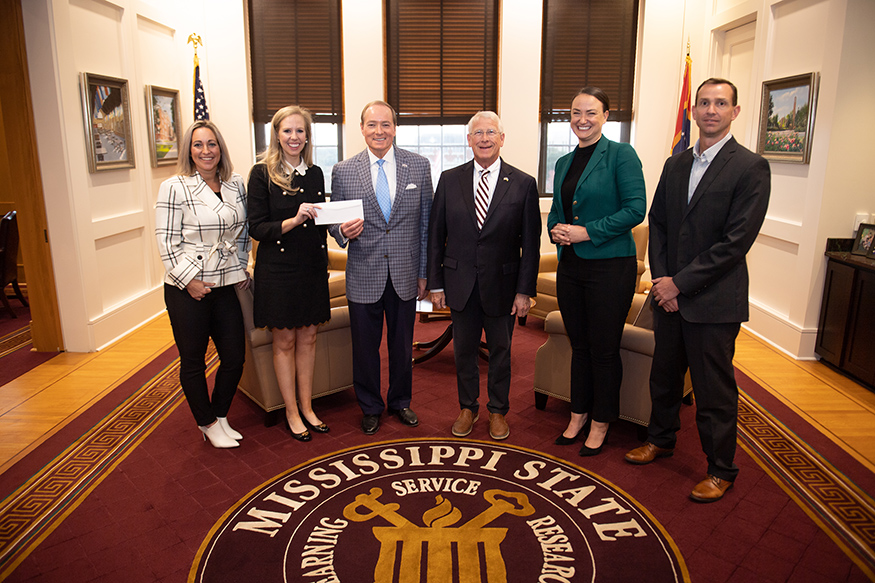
(410,186)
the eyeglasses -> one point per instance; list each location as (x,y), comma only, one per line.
(480,133)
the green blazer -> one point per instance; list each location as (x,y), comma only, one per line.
(609,200)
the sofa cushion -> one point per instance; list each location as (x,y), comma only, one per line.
(547,283)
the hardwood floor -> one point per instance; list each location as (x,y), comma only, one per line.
(39,403)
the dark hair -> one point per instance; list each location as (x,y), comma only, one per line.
(719,81)
(598,94)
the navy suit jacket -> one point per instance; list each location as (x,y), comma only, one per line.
(502,257)
(702,245)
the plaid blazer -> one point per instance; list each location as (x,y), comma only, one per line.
(200,236)
(396,251)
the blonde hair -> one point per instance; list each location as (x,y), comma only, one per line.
(272,157)
(185,165)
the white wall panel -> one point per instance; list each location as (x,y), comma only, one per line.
(121,272)
(96,27)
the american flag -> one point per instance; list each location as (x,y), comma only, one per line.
(200,100)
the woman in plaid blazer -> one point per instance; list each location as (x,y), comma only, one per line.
(200,224)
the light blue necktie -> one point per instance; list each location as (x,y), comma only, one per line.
(383,198)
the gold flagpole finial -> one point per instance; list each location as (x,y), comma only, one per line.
(195,39)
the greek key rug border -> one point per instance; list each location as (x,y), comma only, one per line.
(842,510)
(36,509)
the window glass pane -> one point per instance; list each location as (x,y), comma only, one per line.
(553,154)
(325,134)
(430,135)
(406,136)
(455,134)
(559,133)
(454,156)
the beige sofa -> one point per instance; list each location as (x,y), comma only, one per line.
(333,359)
(545,299)
(553,364)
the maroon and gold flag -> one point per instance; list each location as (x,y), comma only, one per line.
(681,140)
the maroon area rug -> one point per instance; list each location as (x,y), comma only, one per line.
(16,346)
(153,510)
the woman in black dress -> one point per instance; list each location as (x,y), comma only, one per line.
(291,269)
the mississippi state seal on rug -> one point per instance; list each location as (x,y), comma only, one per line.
(441,511)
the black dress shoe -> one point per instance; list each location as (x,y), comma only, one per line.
(591,451)
(584,431)
(303,436)
(406,416)
(321,428)
(370,424)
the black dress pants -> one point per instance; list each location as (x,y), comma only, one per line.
(707,349)
(594,297)
(194,322)
(366,326)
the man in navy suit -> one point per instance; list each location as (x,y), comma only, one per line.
(707,211)
(483,251)
(385,267)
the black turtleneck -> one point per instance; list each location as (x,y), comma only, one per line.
(569,185)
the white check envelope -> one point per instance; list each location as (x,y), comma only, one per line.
(410,186)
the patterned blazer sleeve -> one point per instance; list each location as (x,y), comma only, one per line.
(244,243)
(181,268)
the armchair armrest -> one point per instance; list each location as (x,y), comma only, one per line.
(336,260)
(548,262)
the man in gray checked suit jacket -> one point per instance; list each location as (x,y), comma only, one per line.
(385,268)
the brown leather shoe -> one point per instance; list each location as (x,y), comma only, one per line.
(464,423)
(647,453)
(498,428)
(710,489)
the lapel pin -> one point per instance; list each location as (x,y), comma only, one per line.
(505,179)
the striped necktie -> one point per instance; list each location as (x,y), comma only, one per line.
(481,200)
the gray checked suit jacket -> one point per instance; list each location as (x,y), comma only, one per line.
(396,250)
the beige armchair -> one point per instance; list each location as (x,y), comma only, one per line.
(545,299)
(553,359)
(333,359)
(337,277)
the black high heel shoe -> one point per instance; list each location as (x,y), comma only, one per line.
(584,431)
(303,436)
(321,428)
(590,451)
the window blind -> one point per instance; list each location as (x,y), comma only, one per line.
(442,59)
(588,42)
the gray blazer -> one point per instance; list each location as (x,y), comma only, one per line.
(702,245)
(396,251)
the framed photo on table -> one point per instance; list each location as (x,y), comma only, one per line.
(162,110)
(107,113)
(864,244)
(787,118)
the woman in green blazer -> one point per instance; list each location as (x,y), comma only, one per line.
(599,196)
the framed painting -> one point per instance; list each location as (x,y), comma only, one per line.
(865,241)
(107,113)
(162,109)
(787,118)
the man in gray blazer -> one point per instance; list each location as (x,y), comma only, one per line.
(707,211)
(483,251)
(385,267)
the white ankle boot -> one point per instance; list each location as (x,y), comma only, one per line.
(233,434)
(217,436)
